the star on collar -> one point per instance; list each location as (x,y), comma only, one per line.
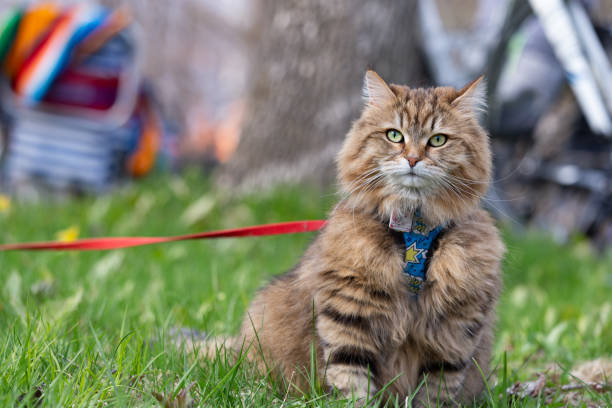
(412,252)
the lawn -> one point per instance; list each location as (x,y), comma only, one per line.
(91,328)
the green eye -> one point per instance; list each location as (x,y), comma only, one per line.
(394,136)
(437,140)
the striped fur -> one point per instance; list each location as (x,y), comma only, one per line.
(348,295)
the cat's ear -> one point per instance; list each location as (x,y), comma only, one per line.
(473,96)
(376,92)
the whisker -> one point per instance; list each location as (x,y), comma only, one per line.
(459,190)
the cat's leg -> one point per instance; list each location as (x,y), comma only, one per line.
(478,370)
(441,384)
(351,363)
(353,325)
(457,376)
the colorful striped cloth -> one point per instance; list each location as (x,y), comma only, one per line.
(52,53)
(67,158)
(34,22)
(8,31)
(73,60)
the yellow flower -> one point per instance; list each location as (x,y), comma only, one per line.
(69,234)
(5,203)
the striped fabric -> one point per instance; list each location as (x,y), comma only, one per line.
(8,30)
(74,70)
(68,158)
(34,22)
(52,53)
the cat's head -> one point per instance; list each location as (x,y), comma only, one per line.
(416,148)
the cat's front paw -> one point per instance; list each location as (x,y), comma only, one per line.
(352,383)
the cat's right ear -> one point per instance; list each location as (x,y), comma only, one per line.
(376,92)
(473,96)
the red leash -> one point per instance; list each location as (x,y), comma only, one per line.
(97,244)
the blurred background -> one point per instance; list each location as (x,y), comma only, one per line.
(261,93)
(166,117)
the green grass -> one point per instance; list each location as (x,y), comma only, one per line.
(89,328)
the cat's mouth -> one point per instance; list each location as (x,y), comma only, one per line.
(413,180)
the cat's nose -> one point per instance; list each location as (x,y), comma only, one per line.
(413,160)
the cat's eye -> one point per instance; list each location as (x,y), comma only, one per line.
(437,140)
(394,136)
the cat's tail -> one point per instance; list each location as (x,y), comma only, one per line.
(199,342)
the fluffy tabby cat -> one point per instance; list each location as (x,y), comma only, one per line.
(411,149)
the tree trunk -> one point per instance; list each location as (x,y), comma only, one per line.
(305,88)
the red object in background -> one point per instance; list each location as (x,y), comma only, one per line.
(142,159)
(83,89)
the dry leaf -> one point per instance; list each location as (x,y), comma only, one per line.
(594,371)
(529,388)
(36,398)
(182,400)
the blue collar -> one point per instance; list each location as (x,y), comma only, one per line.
(418,237)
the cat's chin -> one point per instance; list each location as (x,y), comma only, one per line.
(414,192)
(435,207)
(413,182)
(407,200)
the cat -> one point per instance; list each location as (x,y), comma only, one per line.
(419,160)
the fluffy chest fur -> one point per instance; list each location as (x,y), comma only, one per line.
(362,259)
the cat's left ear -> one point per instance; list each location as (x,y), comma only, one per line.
(376,92)
(473,96)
